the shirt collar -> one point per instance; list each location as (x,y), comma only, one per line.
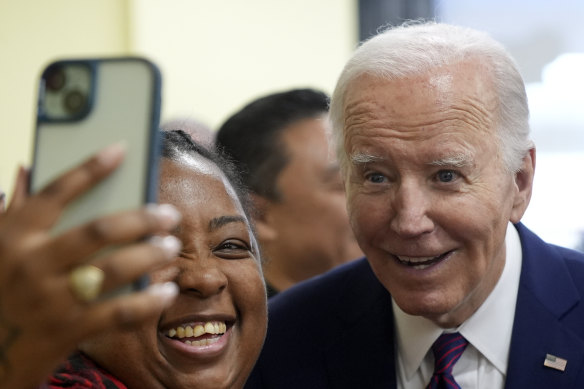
(488,329)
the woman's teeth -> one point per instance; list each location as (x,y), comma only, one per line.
(187,331)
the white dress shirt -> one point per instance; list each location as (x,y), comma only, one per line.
(483,365)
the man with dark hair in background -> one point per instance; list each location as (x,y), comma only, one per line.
(280,143)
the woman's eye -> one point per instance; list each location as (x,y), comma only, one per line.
(232,246)
(446,176)
(232,250)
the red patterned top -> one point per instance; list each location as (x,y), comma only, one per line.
(80,372)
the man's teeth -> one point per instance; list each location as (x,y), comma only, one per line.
(418,262)
(211,327)
(414,260)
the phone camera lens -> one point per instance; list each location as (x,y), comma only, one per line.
(55,78)
(74,102)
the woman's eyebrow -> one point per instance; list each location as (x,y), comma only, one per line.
(219,222)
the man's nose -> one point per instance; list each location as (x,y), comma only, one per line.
(411,204)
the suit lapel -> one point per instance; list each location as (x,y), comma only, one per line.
(546,296)
(362,356)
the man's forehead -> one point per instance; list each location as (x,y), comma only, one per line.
(429,107)
(468,77)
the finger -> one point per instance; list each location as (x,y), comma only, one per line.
(127,311)
(127,264)
(20,191)
(77,245)
(47,205)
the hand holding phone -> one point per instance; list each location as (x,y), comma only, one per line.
(41,321)
(84,106)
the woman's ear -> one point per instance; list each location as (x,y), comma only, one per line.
(524,186)
(262,217)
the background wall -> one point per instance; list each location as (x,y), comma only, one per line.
(214,55)
(31,34)
(217,55)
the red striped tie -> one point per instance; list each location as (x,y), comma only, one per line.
(447,350)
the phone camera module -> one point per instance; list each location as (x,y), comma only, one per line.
(67,90)
(55,78)
(74,102)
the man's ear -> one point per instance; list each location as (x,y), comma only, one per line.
(262,218)
(524,186)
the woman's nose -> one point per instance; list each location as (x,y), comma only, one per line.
(201,276)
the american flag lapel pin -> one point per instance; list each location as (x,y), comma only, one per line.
(554,362)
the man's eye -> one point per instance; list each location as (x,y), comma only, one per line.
(446,176)
(376,178)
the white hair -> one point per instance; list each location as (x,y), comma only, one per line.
(416,48)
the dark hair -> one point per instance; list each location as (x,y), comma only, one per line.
(176,144)
(252,136)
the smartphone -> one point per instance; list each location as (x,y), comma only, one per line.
(85,105)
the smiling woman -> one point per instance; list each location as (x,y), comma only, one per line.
(212,334)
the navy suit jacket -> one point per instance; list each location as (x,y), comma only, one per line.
(336,330)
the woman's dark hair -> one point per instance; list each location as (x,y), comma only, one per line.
(176,144)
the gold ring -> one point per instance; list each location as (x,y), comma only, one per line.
(86,282)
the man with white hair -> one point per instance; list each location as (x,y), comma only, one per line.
(431,127)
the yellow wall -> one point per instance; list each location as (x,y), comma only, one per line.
(217,56)
(32,33)
(214,55)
